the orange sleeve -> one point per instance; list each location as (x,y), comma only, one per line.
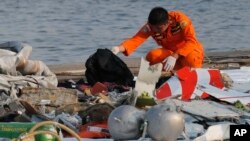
(190,42)
(133,43)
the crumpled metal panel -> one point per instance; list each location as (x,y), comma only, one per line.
(207,109)
(56,97)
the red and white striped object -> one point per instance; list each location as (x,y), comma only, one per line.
(185,83)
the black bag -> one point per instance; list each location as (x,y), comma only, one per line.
(104,66)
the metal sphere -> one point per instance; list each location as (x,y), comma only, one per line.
(125,122)
(164,124)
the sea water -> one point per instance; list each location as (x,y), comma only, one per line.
(67,31)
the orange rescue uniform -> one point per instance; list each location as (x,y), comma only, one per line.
(179,38)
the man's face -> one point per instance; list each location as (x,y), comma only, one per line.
(159,28)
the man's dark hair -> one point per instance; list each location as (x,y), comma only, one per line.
(157,16)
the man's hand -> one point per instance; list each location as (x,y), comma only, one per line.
(169,63)
(115,50)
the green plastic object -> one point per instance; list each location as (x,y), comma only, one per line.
(145,100)
(14,129)
(46,137)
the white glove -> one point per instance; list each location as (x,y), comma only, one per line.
(169,63)
(115,50)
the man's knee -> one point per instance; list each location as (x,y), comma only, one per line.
(152,58)
(157,55)
(194,61)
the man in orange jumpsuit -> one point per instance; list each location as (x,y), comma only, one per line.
(174,33)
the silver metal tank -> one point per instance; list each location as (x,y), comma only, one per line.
(124,122)
(164,123)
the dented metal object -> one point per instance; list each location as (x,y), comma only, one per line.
(164,123)
(125,122)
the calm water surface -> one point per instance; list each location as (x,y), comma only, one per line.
(67,31)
